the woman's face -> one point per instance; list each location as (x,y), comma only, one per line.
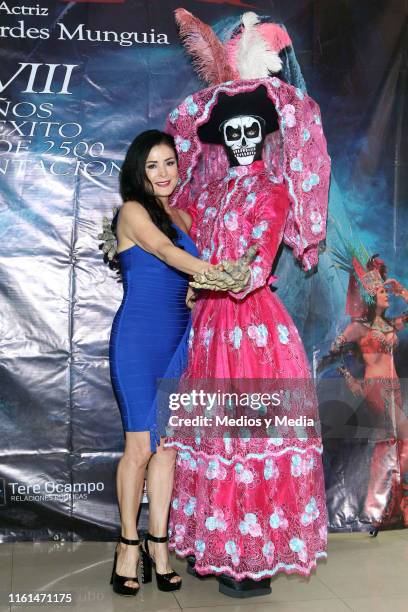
(382,299)
(161,170)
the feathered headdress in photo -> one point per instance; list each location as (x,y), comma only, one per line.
(366,276)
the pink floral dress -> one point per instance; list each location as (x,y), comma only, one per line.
(254,506)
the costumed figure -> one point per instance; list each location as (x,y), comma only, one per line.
(375,335)
(246,509)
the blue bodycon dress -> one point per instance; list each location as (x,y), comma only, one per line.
(149,334)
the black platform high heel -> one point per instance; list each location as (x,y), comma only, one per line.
(163,580)
(117,581)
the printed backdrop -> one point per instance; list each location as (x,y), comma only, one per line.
(78,80)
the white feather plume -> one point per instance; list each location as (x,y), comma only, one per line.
(254,58)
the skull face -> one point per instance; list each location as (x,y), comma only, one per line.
(243,139)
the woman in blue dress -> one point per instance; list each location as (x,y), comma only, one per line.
(156,257)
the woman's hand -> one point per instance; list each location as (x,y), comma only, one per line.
(396,288)
(355,386)
(191,298)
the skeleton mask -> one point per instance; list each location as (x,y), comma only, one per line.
(243,139)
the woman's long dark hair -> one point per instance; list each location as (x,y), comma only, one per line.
(134,183)
(371,313)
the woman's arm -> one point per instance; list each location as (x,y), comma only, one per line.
(397,288)
(400,322)
(353,332)
(135,224)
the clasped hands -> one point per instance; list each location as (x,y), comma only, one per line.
(229,275)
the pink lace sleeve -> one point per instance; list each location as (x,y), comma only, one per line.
(269,220)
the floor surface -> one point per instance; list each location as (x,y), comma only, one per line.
(361,573)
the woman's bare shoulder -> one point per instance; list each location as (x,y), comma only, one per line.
(357,328)
(133,209)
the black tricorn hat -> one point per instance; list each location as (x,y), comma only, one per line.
(255,103)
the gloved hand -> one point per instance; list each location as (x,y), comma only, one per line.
(109,245)
(231,275)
